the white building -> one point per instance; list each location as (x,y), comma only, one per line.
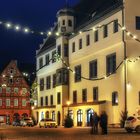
(99,69)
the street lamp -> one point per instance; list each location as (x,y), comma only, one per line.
(68,103)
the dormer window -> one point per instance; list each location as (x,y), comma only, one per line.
(11,81)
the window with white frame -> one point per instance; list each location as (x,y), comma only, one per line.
(8,90)
(7,102)
(15,102)
(23,102)
(24,91)
(15,90)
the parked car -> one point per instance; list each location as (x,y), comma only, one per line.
(132,123)
(27,122)
(16,123)
(47,123)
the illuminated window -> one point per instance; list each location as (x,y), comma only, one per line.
(115,98)
(24,91)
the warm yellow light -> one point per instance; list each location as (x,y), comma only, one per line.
(134,37)
(4,85)
(33,107)
(49,33)
(80,32)
(68,68)
(57,34)
(68,103)
(73,72)
(128,33)
(3,75)
(123,28)
(94,29)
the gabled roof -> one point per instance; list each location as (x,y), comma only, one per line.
(85,11)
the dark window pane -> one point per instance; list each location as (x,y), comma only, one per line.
(54,80)
(46,100)
(69,23)
(59,50)
(40,63)
(41,101)
(73,47)
(111,63)
(80,44)
(42,84)
(115,24)
(74,96)
(93,69)
(47,59)
(58,98)
(78,73)
(88,40)
(95,94)
(48,82)
(84,95)
(66,51)
(96,36)
(105,31)
(51,99)
(63,22)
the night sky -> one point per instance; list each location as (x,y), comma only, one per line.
(38,15)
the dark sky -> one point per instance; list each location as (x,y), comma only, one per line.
(35,14)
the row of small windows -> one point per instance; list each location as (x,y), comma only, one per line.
(15,90)
(95,95)
(16,102)
(60,78)
(93,68)
(96,35)
(11,80)
(51,100)
(52,59)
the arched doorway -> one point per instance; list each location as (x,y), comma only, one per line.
(47,114)
(89,115)
(24,115)
(16,116)
(79,117)
(58,117)
(37,117)
(71,113)
(42,115)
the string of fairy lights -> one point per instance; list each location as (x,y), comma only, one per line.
(9,25)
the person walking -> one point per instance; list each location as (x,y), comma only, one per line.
(95,123)
(103,122)
(91,123)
